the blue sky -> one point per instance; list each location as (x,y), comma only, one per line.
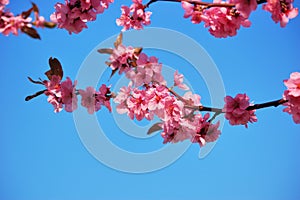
(42,156)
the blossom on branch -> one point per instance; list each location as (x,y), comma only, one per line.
(92,100)
(74,14)
(236,110)
(222,21)
(206,131)
(178,81)
(245,7)
(88,99)
(23,22)
(68,95)
(281,10)
(122,58)
(54,92)
(134,16)
(103,96)
(292,94)
(147,70)
(194,11)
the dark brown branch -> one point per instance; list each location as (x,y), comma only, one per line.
(253,107)
(35,95)
(267,104)
(205,4)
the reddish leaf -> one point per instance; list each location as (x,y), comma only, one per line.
(108,63)
(155,127)
(35,8)
(113,72)
(119,40)
(107,51)
(31,32)
(55,68)
(138,50)
(27,13)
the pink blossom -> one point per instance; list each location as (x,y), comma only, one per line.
(178,81)
(40,21)
(68,95)
(69,19)
(147,71)
(194,11)
(245,7)
(191,99)
(54,92)
(134,16)
(206,131)
(293,84)
(103,96)
(74,14)
(281,11)
(121,99)
(137,105)
(100,5)
(236,110)
(292,106)
(125,19)
(4,2)
(134,102)
(292,94)
(156,99)
(88,100)
(171,119)
(12,24)
(223,21)
(121,57)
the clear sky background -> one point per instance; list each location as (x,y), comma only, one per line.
(41,154)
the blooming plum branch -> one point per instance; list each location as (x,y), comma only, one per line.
(148,95)
(9,23)
(223,18)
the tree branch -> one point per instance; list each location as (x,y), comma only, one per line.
(206,4)
(252,107)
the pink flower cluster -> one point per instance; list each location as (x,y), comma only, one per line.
(134,16)
(281,10)
(74,14)
(3,3)
(178,123)
(206,131)
(10,23)
(64,95)
(236,110)
(222,21)
(121,58)
(61,93)
(245,7)
(292,94)
(147,70)
(225,20)
(178,81)
(13,24)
